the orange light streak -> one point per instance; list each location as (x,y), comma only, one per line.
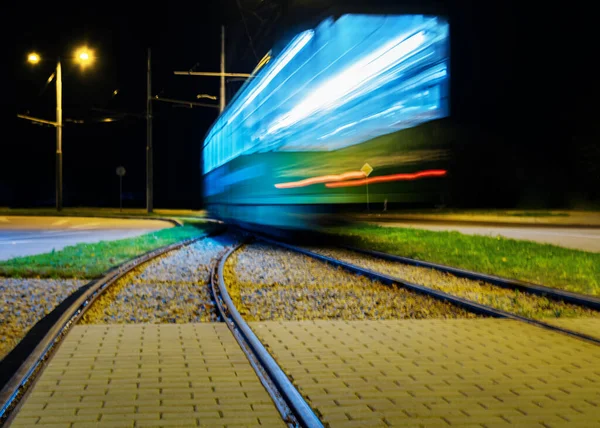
(392,177)
(321,179)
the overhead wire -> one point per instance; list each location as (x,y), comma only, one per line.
(247,31)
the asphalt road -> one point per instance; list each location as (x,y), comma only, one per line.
(24,236)
(587,239)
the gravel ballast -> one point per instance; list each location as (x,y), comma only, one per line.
(171,289)
(268,283)
(25,302)
(513,301)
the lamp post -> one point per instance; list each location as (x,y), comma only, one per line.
(149,161)
(59,183)
(84,57)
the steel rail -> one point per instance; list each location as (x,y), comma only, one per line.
(294,410)
(465,303)
(23,376)
(540,290)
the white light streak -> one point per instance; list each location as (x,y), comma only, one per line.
(336,88)
(297,44)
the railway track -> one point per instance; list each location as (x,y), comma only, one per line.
(367,354)
(289,403)
(540,290)
(64,318)
(339,257)
(292,405)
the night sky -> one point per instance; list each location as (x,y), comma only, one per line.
(526,76)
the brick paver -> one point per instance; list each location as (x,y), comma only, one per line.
(439,373)
(148,376)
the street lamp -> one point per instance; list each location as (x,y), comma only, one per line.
(33,58)
(84,57)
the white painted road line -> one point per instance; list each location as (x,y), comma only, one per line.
(58,222)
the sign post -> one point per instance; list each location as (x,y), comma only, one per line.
(367,169)
(121,173)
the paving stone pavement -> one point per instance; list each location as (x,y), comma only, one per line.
(439,373)
(148,375)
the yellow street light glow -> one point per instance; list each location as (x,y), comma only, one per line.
(33,58)
(84,56)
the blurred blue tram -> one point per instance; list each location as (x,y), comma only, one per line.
(346,115)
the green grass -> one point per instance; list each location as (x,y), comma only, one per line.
(87,261)
(549,265)
(485,212)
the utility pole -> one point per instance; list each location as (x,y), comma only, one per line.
(222,74)
(59,190)
(222,97)
(149,172)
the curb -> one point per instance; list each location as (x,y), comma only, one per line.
(475,222)
(175,222)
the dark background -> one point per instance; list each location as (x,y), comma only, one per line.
(524,96)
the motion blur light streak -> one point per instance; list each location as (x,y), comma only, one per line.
(332,98)
(392,177)
(321,179)
(215,152)
(315,92)
(340,129)
(262,63)
(279,64)
(340,86)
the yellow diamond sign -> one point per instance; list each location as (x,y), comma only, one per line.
(367,169)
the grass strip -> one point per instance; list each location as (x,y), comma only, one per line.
(549,265)
(91,260)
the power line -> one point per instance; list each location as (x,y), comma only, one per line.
(247,31)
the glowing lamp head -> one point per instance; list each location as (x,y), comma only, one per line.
(84,56)
(33,58)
